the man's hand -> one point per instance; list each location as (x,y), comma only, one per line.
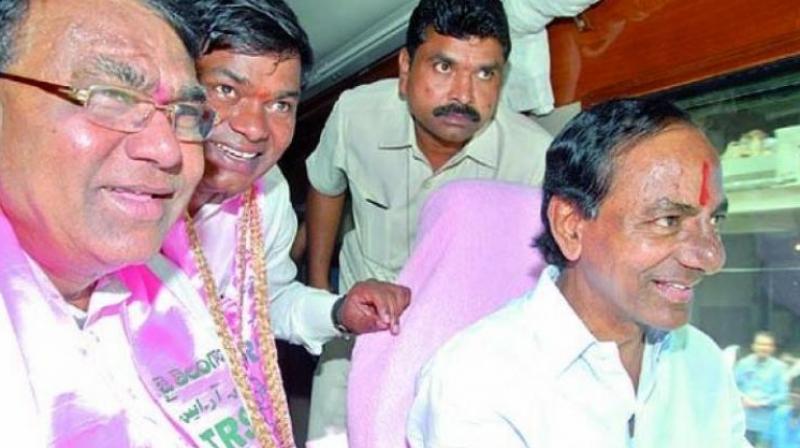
(373,305)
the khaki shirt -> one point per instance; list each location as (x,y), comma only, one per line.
(369,146)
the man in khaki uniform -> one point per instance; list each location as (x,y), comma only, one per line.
(393,142)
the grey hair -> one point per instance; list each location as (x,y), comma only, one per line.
(181,15)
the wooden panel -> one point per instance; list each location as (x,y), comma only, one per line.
(629,47)
(633,47)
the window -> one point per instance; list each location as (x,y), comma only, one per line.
(753,118)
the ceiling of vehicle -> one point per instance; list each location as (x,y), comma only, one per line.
(348,35)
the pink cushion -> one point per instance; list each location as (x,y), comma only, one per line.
(473,253)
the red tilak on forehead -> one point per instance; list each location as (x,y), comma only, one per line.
(704,193)
(161,95)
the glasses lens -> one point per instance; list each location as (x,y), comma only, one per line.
(192,122)
(127,111)
(118,109)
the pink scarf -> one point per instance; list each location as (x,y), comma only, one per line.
(180,358)
(473,253)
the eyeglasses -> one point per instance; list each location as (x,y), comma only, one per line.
(129,111)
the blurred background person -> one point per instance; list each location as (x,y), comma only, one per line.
(761,380)
(784,428)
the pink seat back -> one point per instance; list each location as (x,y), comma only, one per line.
(474,252)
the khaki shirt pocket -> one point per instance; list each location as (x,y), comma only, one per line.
(381,227)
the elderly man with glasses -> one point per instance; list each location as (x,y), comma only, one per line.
(101,124)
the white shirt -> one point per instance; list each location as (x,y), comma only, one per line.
(527,85)
(142,367)
(532,375)
(299,314)
(57,356)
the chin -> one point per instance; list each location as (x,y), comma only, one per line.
(671,323)
(228,185)
(135,246)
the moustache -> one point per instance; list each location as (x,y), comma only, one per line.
(458,108)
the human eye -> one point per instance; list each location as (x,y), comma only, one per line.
(485,74)
(114,104)
(191,121)
(668,222)
(280,107)
(717,219)
(224,92)
(103,97)
(442,66)
(117,108)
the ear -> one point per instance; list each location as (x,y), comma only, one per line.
(403,65)
(566,225)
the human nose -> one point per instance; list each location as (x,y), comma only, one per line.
(703,250)
(249,119)
(462,88)
(156,143)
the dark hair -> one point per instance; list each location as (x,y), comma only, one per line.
(579,165)
(256,27)
(184,17)
(11,14)
(180,15)
(794,383)
(460,19)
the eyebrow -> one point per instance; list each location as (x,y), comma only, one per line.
(443,58)
(287,94)
(495,67)
(667,205)
(123,72)
(134,79)
(241,79)
(244,80)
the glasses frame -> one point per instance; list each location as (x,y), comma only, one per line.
(80,97)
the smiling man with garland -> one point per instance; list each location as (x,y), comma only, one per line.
(234,242)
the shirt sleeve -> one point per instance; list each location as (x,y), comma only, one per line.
(299,314)
(531,16)
(780,389)
(739,374)
(449,412)
(537,174)
(325,166)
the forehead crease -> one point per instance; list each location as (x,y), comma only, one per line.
(647,176)
(106,54)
